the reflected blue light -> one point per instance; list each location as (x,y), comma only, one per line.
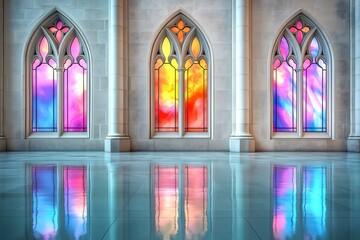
(45,202)
(284,213)
(314,201)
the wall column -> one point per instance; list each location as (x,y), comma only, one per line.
(241,139)
(353,143)
(118,139)
(2,108)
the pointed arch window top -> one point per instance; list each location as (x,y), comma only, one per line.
(299,30)
(59,29)
(181,29)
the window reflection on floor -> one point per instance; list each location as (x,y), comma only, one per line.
(48,206)
(284,213)
(166,201)
(314,202)
(45,202)
(75,200)
(170,208)
(292,211)
(195,201)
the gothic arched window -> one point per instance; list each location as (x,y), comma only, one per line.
(180,81)
(301,81)
(57,79)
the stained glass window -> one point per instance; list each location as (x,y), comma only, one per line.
(166,90)
(180,30)
(299,30)
(59,30)
(314,91)
(181,91)
(300,80)
(59,79)
(284,88)
(44,89)
(75,71)
(196,99)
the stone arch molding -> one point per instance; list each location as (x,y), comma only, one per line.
(299,52)
(180,51)
(58,51)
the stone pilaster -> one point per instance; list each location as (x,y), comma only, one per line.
(2,108)
(241,139)
(353,143)
(118,139)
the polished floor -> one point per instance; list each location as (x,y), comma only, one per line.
(179,195)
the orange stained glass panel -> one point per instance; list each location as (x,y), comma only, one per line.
(196,96)
(166,91)
(180,30)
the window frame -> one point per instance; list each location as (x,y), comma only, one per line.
(299,52)
(58,53)
(180,50)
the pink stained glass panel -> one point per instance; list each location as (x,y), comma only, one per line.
(166,201)
(314,92)
(44,91)
(59,30)
(75,201)
(195,204)
(75,92)
(284,200)
(284,93)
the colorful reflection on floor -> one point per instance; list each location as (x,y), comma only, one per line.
(52,212)
(312,200)
(169,209)
(45,202)
(179,196)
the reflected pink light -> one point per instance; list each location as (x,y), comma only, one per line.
(284,193)
(75,185)
(166,200)
(196,201)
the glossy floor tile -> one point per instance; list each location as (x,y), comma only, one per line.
(179,195)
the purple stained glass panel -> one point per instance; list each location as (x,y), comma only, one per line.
(284,91)
(44,91)
(75,85)
(314,92)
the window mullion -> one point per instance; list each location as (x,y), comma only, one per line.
(300,101)
(60,104)
(181,102)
